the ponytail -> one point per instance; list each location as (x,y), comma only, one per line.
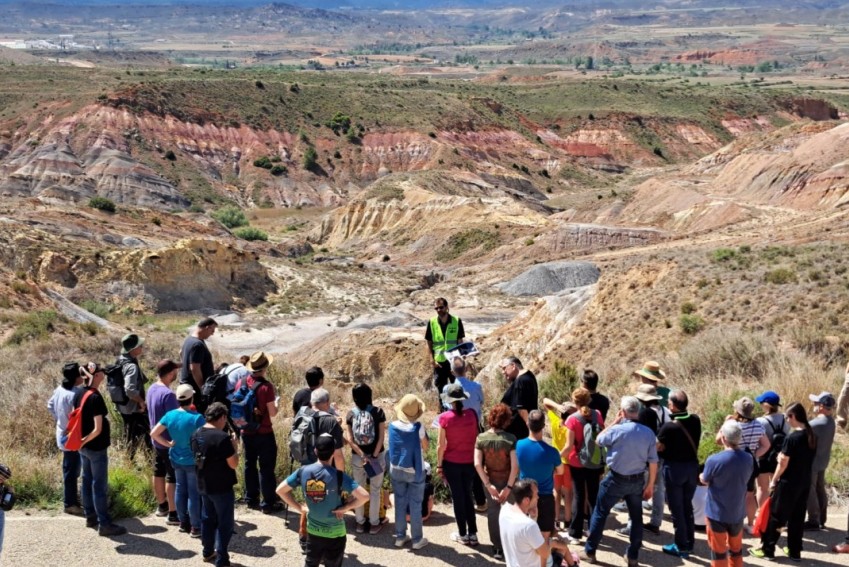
(458,407)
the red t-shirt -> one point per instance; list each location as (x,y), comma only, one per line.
(461,431)
(574,424)
(264,395)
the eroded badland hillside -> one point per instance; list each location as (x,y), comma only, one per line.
(590,191)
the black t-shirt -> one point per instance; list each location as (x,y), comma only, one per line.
(601,403)
(801,456)
(522,394)
(379,417)
(195,351)
(301,399)
(94,406)
(327,424)
(677,448)
(216,476)
(648,417)
(461,333)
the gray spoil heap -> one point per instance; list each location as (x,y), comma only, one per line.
(551,278)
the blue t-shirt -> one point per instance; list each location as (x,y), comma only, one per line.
(726,474)
(538,460)
(181,424)
(321,493)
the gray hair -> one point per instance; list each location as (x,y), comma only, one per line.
(732,432)
(458,366)
(630,405)
(514,360)
(319,396)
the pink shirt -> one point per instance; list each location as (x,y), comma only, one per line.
(575,425)
(461,431)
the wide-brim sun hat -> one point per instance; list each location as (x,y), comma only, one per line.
(454,393)
(410,408)
(652,371)
(745,407)
(647,393)
(259,361)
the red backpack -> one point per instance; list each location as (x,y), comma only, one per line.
(75,426)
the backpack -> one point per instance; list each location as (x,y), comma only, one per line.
(115,383)
(591,455)
(243,407)
(778,437)
(363,427)
(214,389)
(74,431)
(302,437)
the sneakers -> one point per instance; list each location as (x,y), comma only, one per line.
(585,555)
(807,526)
(185,527)
(620,507)
(750,531)
(464,539)
(162,510)
(111,530)
(760,553)
(624,530)
(75,510)
(195,533)
(420,544)
(647,505)
(91,522)
(630,562)
(473,540)
(569,539)
(375,529)
(360,528)
(272,508)
(211,557)
(841,548)
(173,519)
(786,551)
(672,549)
(481,508)
(498,555)
(402,541)
(651,528)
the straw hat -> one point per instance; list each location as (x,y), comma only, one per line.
(410,408)
(652,371)
(647,393)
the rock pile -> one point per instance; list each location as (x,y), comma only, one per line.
(551,278)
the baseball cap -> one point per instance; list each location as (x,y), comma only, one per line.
(185,392)
(824,399)
(770,398)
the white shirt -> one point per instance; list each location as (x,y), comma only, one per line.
(60,405)
(520,537)
(235,372)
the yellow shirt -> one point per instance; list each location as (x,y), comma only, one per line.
(558,433)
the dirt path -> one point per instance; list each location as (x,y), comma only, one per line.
(36,539)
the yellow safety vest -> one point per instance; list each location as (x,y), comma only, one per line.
(443,343)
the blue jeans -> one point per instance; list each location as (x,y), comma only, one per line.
(2,527)
(217,528)
(187,497)
(612,489)
(408,496)
(95,486)
(260,448)
(71,465)
(680,480)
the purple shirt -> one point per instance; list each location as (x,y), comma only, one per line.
(160,400)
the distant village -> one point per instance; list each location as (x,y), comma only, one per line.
(58,43)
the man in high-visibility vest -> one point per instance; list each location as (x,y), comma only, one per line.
(442,333)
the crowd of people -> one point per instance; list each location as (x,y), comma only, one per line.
(540,498)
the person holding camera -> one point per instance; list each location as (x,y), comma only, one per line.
(7,499)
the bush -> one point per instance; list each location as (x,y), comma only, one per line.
(102,310)
(170,155)
(250,233)
(34,326)
(559,383)
(130,492)
(723,254)
(102,204)
(473,238)
(310,158)
(688,307)
(691,324)
(279,170)
(263,162)
(780,276)
(231,216)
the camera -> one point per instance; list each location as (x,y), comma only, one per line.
(7,498)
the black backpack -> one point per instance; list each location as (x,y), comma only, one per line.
(215,389)
(778,437)
(115,383)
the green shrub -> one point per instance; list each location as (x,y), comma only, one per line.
(250,233)
(688,307)
(780,276)
(723,254)
(279,170)
(21,287)
(130,492)
(34,326)
(263,162)
(558,384)
(310,157)
(102,204)
(98,308)
(691,324)
(473,238)
(231,216)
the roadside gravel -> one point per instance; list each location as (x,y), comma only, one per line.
(35,539)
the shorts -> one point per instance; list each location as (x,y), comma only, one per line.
(563,480)
(162,466)
(545,512)
(766,466)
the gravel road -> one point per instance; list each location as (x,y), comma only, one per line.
(36,539)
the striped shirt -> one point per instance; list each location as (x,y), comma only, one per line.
(752,432)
